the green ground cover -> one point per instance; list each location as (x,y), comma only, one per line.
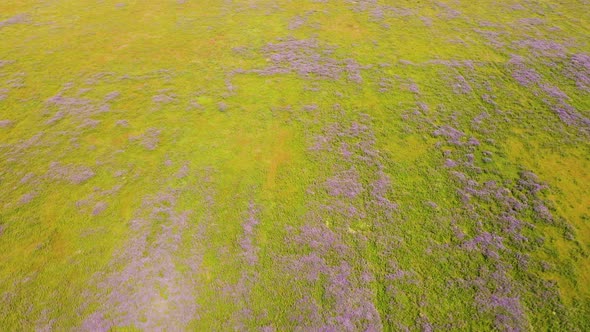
(323,165)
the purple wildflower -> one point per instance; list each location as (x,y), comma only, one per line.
(345,184)
(164,98)
(122,123)
(17,19)
(450,133)
(249,225)
(112,96)
(27,198)
(306,58)
(579,70)
(71,173)
(461,86)
(6,123)
(99,208)
(546,48)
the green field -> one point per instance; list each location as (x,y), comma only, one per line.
(312,165)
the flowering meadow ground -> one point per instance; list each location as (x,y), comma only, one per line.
(312,165)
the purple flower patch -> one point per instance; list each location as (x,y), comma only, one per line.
(17,19)
(461,86)
(164,98)
(112,96)
(450,133)
(307,59)
(146,290)
(547,48)
(522,74)
(71,173)
(579,70)
(99,208)
(150,139)
(345,184)
(27,198)
(247,241)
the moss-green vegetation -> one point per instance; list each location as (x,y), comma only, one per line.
(294,165)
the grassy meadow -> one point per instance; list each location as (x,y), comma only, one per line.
(313,165)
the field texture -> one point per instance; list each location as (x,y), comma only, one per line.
(310,165)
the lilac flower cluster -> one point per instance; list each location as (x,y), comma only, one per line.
(3,93)
(530,21)
(27,198)
(122,123)
(183,172)
(448,11)
(164,97)
(99,207)
(20,149)
(17,81)
(449,133)
(94,202)
(149,292)
(499,235)
(82,109)
(546,48)
(247,241)
(298,21)
(493,37)
(5,62)
(579,69)
(558,101)
(149,139)
(378,12)
(461,86)
(327,256)
(380,189)
(345,184)
(352,307)
(308,59)
(6,123)
(112,96)
(495,294)
(524,75)
(17,19)
(75,174)
(222,106)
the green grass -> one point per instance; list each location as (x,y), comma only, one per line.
(258,149)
